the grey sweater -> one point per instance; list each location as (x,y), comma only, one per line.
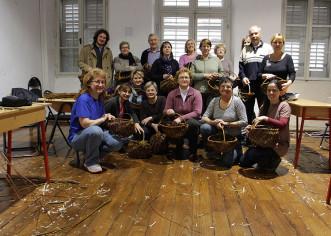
(235,112)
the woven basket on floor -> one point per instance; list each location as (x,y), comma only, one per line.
(122,127)
(264,136)
(174,131)
(222,142)
(139,149)
(159,143)
(168,85)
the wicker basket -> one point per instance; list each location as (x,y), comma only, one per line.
(59,95)
(168,85)
(121,127)
(159,143)
(174,131)
(122,77)
(264,136)
(245,95)
(147,73)
(139,149)
(222,142)
(236,81)
(136,106)
(213,86)
(265,83)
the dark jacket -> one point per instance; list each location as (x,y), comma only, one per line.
(158,70)
(113,107)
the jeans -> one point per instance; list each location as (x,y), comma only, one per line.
(227,158)
(96,143)
(266,158)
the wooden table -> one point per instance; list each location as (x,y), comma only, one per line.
(309,110)
(16,117)
(60,105)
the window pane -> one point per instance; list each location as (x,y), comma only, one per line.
(296,12)
(298,35)
(176,3)
(89,30)
(210,3)
(68,62)
(69,35)
(93,10)
(321,12)
(176,30)
(210,28)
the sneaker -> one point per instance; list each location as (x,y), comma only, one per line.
(94,169)
(210,155)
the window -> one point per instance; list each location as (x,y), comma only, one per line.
(181,20)
(79,19)
(308,32)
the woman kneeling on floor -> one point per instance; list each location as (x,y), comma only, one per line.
(88,113)
(274,112)
(228,112)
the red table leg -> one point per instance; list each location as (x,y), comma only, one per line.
(329,143)
(329,193)
(299,139)
(43,135)
(9,154)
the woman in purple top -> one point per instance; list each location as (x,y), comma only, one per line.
(187,102)
(190,55)
(87,115)
(220,50)
(274,112)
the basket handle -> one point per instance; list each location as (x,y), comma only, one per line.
(223,133)
(175,114)
(265,81)
(131,118)
(231,73)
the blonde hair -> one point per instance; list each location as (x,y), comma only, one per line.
(277,37)
(89,77)
(187,43)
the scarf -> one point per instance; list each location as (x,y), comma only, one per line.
(167,65)
(127,57)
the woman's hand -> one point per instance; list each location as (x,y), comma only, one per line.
(107,116)
(245,81)
(285,86)
(208,76)
(170,112)
(216,122)
(268,76)
(176,121)
(248,129)
(214,76)
(259,119)
(155,127)
(138,129)
(146,120)
(166,76)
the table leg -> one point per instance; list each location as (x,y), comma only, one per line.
(43,136)
(328,196)
(9,154)
(329,140)
(299,139)
(297,132)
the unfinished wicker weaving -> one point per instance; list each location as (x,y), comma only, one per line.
(174,131)
(264,136)
(139,149)
(121,127)
(122,76)
(222,142)
(168,85)
(265,83)
(244,95)
(159,143)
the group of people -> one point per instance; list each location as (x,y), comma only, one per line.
(192,101)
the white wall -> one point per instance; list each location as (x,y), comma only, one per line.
(20,44)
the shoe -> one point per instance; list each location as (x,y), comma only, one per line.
(193,157)
(94,169)
(210,155)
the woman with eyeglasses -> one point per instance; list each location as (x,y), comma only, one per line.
(220,50)
(87,115)
(187,102)
(274,112)
(120,106)
(227,112)
(126,62)
(166,66)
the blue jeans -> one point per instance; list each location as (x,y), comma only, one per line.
(96,143)
(228,158)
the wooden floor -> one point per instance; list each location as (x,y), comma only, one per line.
(158,196)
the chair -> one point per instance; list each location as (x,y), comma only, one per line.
(34,85)
(326,129)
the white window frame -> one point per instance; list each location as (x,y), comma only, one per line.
(309,40)
(193,13)
(81,42)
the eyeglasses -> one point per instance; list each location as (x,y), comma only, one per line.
(226,87)
(184,77)
(99,82)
